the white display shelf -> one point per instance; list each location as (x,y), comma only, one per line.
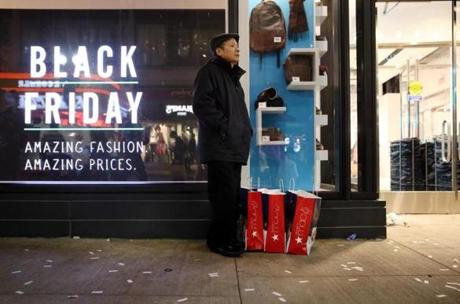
(322,81)
(272,110)
(259,113)
(321,120)
(272,143)
(308,85)
(301,85)
(302,51)
(322,155)
(321,46)
(321,14)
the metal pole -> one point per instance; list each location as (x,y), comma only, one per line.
(401,135)
(408,101)
(417,105)
(454,99)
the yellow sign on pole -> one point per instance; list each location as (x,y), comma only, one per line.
(415,88)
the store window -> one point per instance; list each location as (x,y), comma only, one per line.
(414,47)
(291,148)
(102,95)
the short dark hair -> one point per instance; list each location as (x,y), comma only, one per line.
(219,40)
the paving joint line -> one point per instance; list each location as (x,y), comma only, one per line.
(425,256)
(238,281)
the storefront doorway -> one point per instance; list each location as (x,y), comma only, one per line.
(417,105)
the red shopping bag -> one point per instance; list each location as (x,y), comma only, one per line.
(275,239)
(303,228)
(254,222)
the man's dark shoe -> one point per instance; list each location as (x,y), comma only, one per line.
(229,250)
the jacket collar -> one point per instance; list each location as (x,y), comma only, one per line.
(236,71)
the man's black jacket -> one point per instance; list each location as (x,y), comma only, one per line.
(218,102)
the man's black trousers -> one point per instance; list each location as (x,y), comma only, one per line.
(224,194)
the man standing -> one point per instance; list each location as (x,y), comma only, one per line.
(224,139)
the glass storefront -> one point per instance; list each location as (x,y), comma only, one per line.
(415,95)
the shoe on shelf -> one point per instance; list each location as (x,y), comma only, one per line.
(319,146)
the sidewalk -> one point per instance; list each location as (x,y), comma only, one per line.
(418,263)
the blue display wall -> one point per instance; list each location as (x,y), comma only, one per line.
(295,160)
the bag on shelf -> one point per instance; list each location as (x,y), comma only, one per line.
(303,209)
(270,97)
(274,134)
(267,29)
(300,66)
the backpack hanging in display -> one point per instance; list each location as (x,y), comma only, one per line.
(300,66)
(267,29)
(297,19)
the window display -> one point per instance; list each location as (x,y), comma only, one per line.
(284,149)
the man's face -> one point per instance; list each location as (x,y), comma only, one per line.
(229,51)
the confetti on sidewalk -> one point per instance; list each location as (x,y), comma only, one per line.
(418,280)
(16,271)
(441,296)
(97,292)
(72,297)
(213,275)
(352,280)
(249,289)
(130,281)
(146,272)
(276,294)
(121,264)
(19,292)
(182,300)
(28,283)
(303,281)
(49,261)
(287,271)
(282,299)
(47,266)
(453,283)
(113,270)
(92,253)
(443,269)
(94,258)
(452,287)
